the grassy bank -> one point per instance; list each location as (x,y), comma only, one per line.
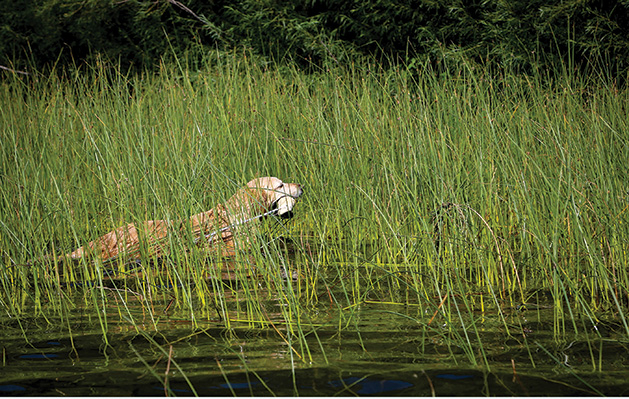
(455,192)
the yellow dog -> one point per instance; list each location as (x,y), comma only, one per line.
(259,198)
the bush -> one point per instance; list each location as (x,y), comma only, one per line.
(523,35)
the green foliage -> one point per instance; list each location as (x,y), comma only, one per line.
(134,32)
(523,35)
(508,33)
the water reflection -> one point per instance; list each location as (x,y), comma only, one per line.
(368,386)
(11,389)
(369,349)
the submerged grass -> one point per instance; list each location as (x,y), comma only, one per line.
(452,192)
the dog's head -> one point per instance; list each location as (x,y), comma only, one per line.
(263,196)
(275,195)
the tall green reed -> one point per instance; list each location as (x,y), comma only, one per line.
(454,191)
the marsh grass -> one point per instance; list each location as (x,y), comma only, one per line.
(453,192)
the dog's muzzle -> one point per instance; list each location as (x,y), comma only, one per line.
(284,205)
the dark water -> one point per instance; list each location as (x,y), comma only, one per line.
(376,352)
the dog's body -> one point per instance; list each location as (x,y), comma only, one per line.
(260,197)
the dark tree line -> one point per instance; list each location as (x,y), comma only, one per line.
(520,34)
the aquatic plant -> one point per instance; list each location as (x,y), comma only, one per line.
(451,194)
